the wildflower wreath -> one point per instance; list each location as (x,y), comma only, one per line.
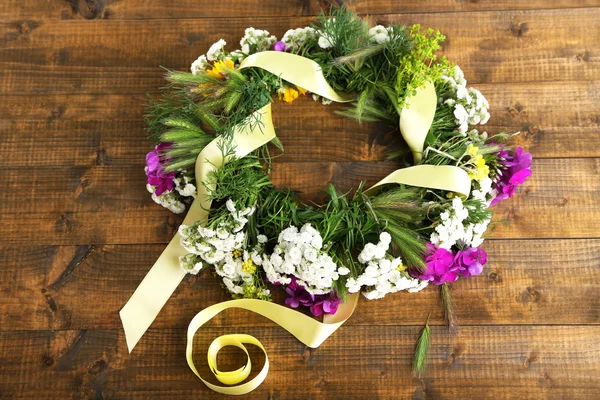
(419,225)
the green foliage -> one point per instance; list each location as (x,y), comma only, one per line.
(241,179)
(421,64)
(421,352)
(188,140)
(398,211)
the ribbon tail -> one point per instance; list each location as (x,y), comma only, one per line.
(442,177)
(165,275)
(152,293)
(416,118)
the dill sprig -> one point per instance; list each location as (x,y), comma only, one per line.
(421,351)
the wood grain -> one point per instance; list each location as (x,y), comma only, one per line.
(89,130)
(103,205)
(41,56)
(525,282)
(80,232)
(139,9)
(485,362)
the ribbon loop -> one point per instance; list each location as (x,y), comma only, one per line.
(300,71)
(306,329)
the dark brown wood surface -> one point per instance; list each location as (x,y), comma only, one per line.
(79,231)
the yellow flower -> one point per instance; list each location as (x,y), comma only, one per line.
(472,150)
(218,69)
(401,267)
(237,253)
(248,267)
(288,94)
(481,170)
(301,90)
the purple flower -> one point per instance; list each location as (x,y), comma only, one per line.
(470,261)
(157,176)
(325,304)
(297,295)
(516,169)
(279,46)
(318,304)
(440,266)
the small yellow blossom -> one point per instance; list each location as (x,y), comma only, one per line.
(401,268)
(218,69)
(481,170)
(301,90)
(249,267)
(237,253)
(472,150)
(288,94)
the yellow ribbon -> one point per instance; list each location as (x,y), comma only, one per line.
(164,277)
(306,329)
(300,71)
(416,118)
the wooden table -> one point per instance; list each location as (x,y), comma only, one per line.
(79,231)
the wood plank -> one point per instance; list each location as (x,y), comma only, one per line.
(139,9)
(525,282)
(485,362)
(79,205)
(494,47)
(86,130)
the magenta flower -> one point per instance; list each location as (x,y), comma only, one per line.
(279,46)
(327,304)
(157,176)
(470,261)
(318,304)
(440,266)
(516,169)
(297,295)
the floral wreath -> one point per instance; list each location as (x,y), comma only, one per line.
(376,241)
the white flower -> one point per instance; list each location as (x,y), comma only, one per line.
(385,238)
(230,206)
(216,51)
(325,42)
(200,64)
(262,239)
(294,39)
(343,271)
(379,34)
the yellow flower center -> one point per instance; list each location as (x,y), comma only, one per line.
(249,267)
(481,170)
(288,94)
(219,68)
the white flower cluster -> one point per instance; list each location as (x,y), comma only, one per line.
(184,185)
(169,200)
(223,248)
(299,253)
(482,190)
(325,40)
(200,64)
(470,107)
(383,273)
(453,230)
(379,34)
(256,40)
(214,245)
(216,51)
(294,39)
